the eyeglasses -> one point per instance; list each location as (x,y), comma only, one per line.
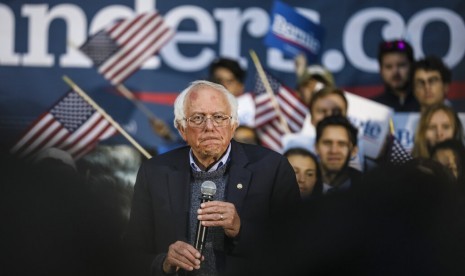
(421,83)
(200,120)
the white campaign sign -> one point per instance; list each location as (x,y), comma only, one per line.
(405,124)
(372,120)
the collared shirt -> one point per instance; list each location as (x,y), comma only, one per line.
(217,165)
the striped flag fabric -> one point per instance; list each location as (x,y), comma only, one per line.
(72,125)
(120,49)
(267,121)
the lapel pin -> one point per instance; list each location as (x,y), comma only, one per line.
(239,186)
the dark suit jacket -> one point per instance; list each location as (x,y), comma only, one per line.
(160,206)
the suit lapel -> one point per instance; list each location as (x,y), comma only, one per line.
(239,176)
(179,189)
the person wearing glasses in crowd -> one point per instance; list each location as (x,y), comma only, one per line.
(431,79)
(255,186)
(395,60)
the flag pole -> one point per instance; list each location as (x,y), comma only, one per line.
(268,89)
(88,99)
(158,125)
(391,126)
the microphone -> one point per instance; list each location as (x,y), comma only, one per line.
(208,190)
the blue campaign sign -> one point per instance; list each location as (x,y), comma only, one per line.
(293,33)
(39,43)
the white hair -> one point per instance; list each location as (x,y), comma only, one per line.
(180,102)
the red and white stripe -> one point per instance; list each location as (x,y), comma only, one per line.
(47,132)
(139,38)
(267,121)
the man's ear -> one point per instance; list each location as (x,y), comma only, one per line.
(354,152)
(234,127)
(182,131)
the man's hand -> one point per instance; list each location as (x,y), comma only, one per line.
(219,213)
(181,255)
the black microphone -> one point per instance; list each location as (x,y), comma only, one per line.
(208,190)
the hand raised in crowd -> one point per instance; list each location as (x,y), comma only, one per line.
(219,213)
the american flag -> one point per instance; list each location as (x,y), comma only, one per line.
(267,121)
(121,49)
(397,154)
(71,125)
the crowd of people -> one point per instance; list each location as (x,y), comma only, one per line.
(409,86)
(313,209)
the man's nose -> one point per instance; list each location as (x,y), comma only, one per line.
(333,148)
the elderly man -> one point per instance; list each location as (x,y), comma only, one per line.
(254,186)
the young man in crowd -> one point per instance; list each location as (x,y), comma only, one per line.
(431,79)
(336,143)
(395,63)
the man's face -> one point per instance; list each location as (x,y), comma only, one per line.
(226,78)
(329,105)
(394,70)
(334,149)
(429,88)
(208,142)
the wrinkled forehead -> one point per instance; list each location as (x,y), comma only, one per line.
(205,99)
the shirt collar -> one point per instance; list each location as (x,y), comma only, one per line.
(216,166)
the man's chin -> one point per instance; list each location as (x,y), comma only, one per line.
(334,169)
(399,87)
(211,151)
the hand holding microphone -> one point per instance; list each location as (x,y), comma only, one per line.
(215,213)
(208,190)
(211,213)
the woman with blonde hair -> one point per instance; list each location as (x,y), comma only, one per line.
(437,123)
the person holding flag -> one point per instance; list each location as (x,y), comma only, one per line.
(121,48)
